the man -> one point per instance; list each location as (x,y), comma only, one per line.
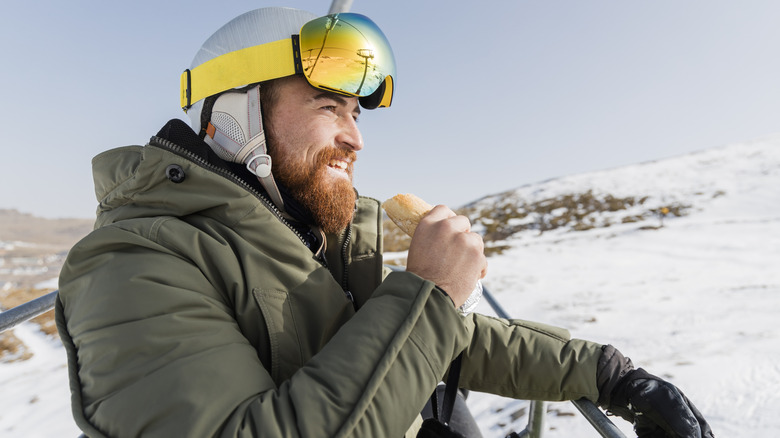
(234,286)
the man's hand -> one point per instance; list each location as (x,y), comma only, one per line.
(661,410)
(657,408)
(446,252)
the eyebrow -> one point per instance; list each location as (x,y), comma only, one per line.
(337,97)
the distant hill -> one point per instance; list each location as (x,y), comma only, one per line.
(24,227)
(32,251)
(32,248)
(644,194)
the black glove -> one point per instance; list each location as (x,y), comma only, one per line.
(655,407)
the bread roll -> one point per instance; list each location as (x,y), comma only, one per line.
(406,210)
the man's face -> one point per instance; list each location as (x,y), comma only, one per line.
(313,139)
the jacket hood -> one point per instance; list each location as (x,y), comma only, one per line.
(167,178)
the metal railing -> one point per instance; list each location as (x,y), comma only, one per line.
(24,312)
(29,310)
(591,412)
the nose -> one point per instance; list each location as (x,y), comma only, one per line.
(349,135)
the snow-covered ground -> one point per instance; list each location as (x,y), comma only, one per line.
(35,398)
(695,301)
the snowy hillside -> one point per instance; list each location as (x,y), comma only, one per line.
(693,300)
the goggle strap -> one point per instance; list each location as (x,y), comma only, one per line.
(237,68)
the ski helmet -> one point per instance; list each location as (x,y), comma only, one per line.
(344,53)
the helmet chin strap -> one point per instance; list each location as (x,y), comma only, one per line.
(235,132)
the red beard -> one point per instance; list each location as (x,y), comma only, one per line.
(332,204)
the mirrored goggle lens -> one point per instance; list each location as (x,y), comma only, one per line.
(347,53)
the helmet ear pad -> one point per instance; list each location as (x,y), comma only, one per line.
(235,126)
(236,110)
(229,116)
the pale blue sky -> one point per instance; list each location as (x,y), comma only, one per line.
(490,96)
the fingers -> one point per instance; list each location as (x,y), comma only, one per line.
(442,213)
(663,411)
(446,251)
(706,431)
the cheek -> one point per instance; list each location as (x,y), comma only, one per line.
(309,142)
(298,138)
(285,142)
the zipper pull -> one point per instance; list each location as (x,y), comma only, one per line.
(351,299)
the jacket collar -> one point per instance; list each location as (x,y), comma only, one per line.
(178,132)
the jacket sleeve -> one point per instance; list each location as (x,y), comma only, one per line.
(529,361)
(155,354)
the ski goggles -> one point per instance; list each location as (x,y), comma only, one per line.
(342,53)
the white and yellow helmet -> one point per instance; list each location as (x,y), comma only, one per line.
(344,53)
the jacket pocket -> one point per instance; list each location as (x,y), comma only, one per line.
(283,338)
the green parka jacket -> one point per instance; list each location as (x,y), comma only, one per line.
(194,310)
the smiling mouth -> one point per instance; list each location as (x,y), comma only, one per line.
(339,165)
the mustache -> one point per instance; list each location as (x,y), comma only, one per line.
(331,153)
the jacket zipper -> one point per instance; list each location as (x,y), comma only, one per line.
(345,274)
(178,150)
